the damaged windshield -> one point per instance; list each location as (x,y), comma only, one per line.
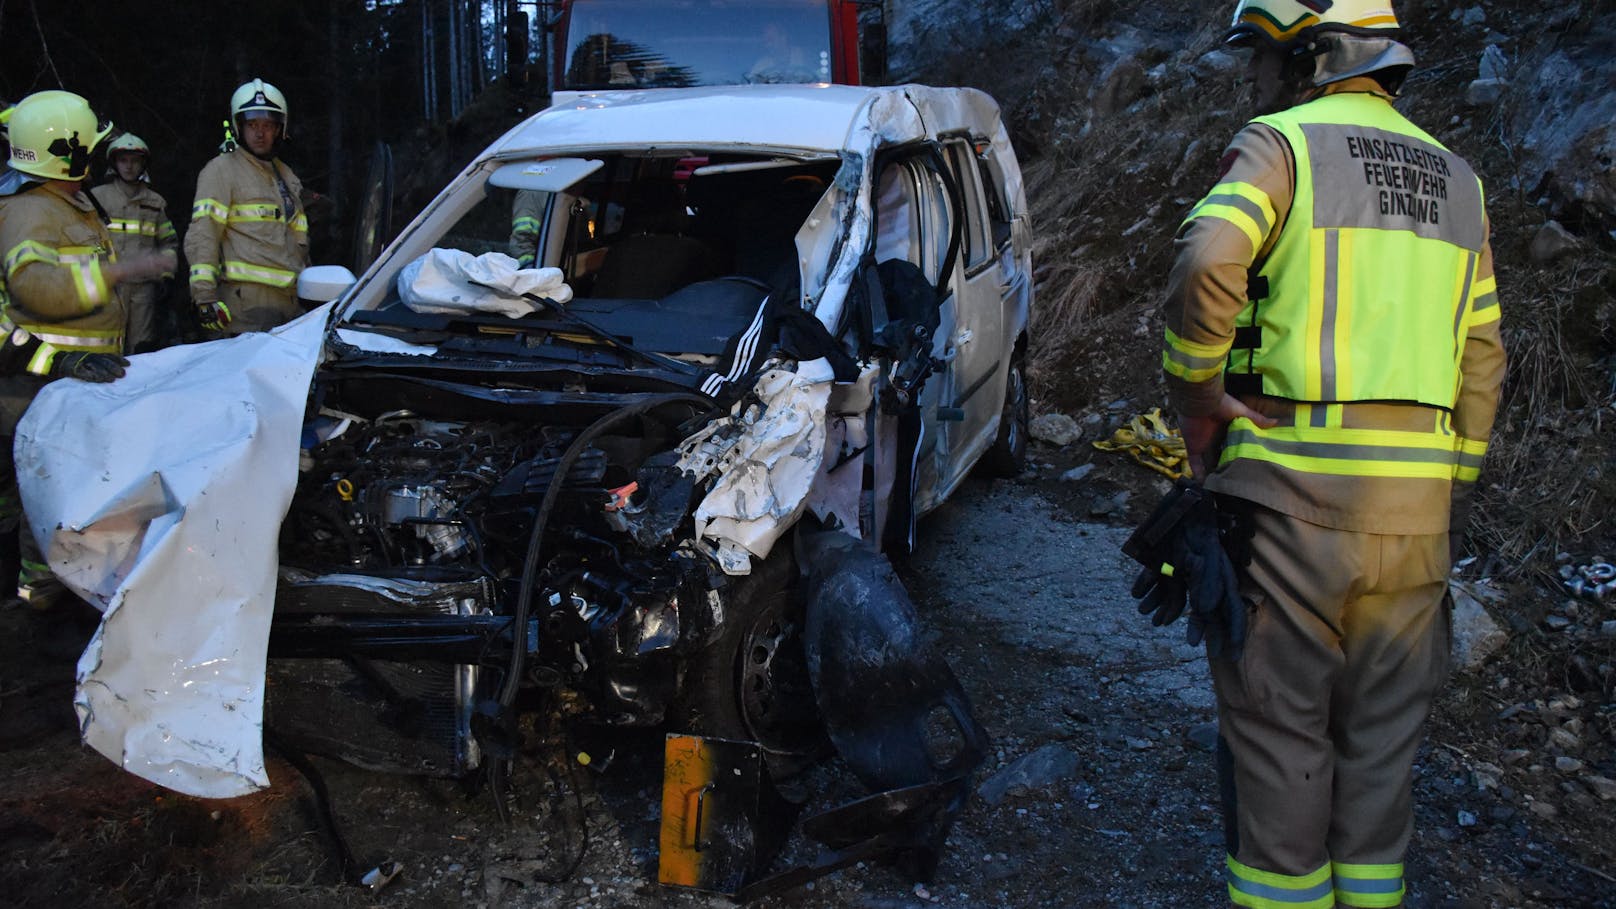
(671,255)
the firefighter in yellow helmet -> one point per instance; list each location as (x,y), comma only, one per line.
(60,313)
(1334,358)
(138,219)
(249,236)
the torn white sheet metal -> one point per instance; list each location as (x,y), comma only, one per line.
(453,281)
(158,498)
(838,486)
(766,457)
(374,342)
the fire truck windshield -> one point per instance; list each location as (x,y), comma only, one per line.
(614,44)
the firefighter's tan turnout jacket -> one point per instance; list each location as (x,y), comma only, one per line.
(138,220)
(247,227)
(55,293)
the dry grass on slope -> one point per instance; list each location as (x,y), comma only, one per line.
(1105,198)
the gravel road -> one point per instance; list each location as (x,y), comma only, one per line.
(1099,789)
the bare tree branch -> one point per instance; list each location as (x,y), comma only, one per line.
(43,45)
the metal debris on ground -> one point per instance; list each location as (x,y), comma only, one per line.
(1149,440)
(380,876)
(1594,581)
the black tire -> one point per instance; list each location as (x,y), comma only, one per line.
(1008,456)
(751,681)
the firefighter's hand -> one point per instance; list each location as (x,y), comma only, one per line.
(214,316)
(140,267)
(1203,435)
(91,367)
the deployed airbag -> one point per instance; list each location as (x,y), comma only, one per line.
(452,281)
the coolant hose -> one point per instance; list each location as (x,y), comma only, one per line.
(530,565)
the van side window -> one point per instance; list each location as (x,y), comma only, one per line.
(998,211)
(914,217)
(936,221)
(975,237)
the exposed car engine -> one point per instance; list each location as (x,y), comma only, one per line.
(404,518)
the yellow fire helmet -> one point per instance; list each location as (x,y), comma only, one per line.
(1285,22)
(1342,38)
(128,142)
(52,134)
(259,99)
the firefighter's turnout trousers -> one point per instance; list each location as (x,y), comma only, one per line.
(1347,646)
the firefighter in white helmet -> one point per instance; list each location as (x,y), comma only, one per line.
(138,219)
(60,312)
(249,236)
(1334,357)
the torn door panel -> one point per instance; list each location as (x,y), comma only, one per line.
(765,455)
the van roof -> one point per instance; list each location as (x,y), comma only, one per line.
(820,118)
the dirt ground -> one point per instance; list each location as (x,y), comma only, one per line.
(1023,585)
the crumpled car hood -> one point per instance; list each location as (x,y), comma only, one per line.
(158,499)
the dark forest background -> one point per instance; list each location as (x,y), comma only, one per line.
(415,74)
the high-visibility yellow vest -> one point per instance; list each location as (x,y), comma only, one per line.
(1367,293)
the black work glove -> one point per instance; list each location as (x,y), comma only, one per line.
(1200,577)
(91,367)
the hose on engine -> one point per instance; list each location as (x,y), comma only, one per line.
(530,565)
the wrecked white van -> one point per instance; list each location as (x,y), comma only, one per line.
(570,433)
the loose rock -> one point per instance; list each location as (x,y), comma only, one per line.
(1044,767)
(1485,92)
(1567,764)
(1216,62)
(1494,64)
(1077,473)
(1565,740)
(1475,635)
(1055,428)
(1203,736)
(1604,787)
(1552,242)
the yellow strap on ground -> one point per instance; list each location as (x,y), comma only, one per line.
(1149,440)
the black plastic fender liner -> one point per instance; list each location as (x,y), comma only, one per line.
(895,712)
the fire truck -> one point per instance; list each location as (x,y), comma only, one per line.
(626,44)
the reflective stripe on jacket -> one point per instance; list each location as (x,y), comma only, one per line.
(54,293)
(527,218)
(247,225)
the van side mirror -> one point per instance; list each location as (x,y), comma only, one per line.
(324,283)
